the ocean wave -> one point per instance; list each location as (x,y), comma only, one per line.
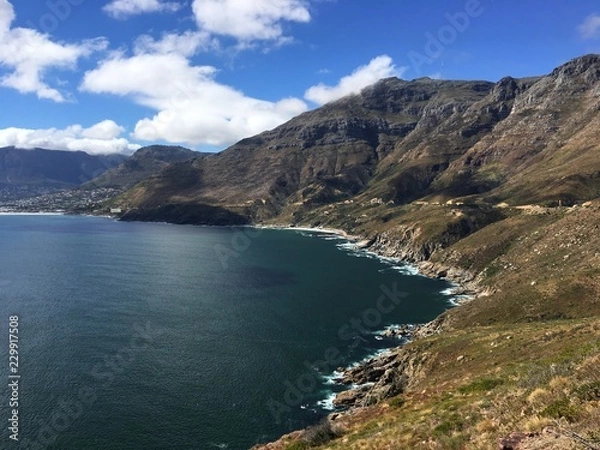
(450,291)
(333,378)
(395,327)
(456,298)
(327,403)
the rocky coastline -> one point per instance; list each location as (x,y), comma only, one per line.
(392,372)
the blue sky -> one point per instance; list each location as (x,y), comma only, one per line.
(110,76)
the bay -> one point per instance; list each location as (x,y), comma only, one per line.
(137,336)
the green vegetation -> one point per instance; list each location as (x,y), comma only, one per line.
(483,385)
(561,409)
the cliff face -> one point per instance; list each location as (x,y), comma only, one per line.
(518,141)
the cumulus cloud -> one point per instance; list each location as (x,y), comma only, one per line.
(27,54)
(123,9)
(590,28)
(192,107)
(247,21)
(379,67)
(101,138)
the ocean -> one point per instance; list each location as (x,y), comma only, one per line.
(138,336)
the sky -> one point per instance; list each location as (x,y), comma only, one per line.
(110,76)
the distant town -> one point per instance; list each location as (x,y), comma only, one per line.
(70,201)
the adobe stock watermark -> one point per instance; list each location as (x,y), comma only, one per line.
(437,43)
(366,323)
(241,241)
(58,11)
(68,410)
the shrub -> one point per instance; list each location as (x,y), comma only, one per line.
(589,392)
(561,409)
(482,385)
(448,426)
(397,402)
(320,434)
(297,446)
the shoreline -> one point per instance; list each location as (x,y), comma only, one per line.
(464,286)
(17,213)
(364,385)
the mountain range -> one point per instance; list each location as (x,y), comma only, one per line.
(38,171)
(517,141)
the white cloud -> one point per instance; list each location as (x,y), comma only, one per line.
(7,15)
(590,28)
(102,138)
(122,9)
(192,107)
(28,55)
(379,67)
(105,130)
(250,20)
(186,44)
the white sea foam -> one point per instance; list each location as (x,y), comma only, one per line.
(394,327)
(450,291)
(327,402)
(458,300)
(406,269)
(334,378)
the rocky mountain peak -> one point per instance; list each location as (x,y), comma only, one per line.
(587,66)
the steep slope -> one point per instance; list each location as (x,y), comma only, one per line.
(39,171)
(322,156)
(547,148)
(532,140)
(144,163)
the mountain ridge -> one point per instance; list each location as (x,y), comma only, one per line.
(144,163)
(28,172)
(405,141)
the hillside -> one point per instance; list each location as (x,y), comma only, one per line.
(145,162)
(38,171)
(516,141)
(495,186)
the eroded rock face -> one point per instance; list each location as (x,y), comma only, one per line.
(380,378)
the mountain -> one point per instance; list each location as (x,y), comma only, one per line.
(518,141)
(145,162)
(39,171)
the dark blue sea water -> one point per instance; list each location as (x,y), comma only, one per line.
(136,336)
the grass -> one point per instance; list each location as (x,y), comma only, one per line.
(299,445)
(483,385)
